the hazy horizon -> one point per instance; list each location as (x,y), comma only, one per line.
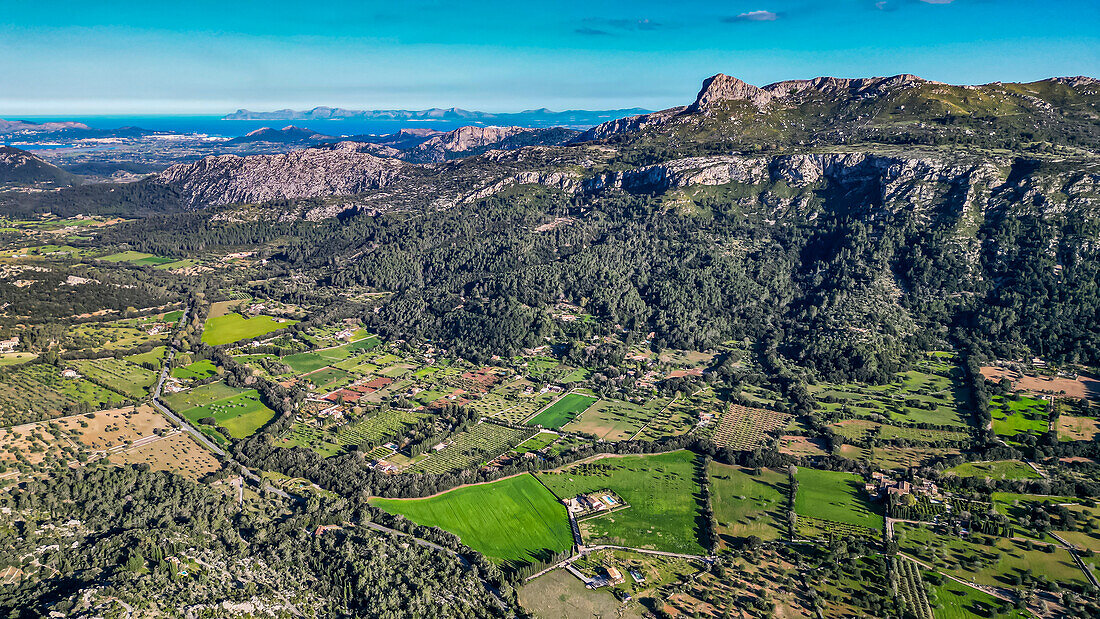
(66,57)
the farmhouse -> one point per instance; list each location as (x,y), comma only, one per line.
(614,576)
(881,485)
(9,344)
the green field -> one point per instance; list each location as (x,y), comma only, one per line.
(38,391)
(200,396)
(835,496)
(153,356)
(563,411)
(197,370)
(932,393)
(234,327)
(241,414)
(988,560)
(957,601)
(126,256)
(745,504)
(118,375)
(1004,469)
(1018,414)
(305,362)
(661,490)
(513,520)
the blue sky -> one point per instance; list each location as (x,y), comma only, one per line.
(142,57)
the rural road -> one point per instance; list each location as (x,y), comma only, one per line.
(187,427)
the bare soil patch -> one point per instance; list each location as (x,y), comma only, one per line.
(1082,387)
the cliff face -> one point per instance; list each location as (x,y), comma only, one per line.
(230,179)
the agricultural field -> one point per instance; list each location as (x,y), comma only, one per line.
(616,420)
(680,416)
(200,396)
(230,328)
(118,375)
(893,458)
(911,587)
(563,411)
(990,560)
(177,452)
(117,335)
(655,572)
(481,443)
(195,371)
(746,503)
(154,356)
(1018,414)
(538,442)
(241,414)
(933,393)
(1004,469)
(661,490)
(514,520)
(802,446)
(745,428)
(38,391)
(139,258)
(863,431)
(371,430)
(560,595)
(734,587)
(68,439)
(834,497)
(1071,428)
(954,600)
(16,358)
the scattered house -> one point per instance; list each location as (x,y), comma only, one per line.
(325,527)
(69,373)
(9,344)
(614,576)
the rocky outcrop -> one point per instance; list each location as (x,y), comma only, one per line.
(466,141)
(230,179)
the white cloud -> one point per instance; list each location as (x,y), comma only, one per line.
(757,16)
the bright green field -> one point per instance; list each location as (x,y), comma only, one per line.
(564,410)
(242,414)
(745,504)
(1023,415)
(957,601)
(836,496)
(153,356)
(512,520)
(198,369)
(233,327)
(661,490)
(1004,469)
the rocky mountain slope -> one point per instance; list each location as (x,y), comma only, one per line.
(229,179)
(18,167)
(903,109)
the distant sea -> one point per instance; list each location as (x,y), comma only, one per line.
(215,126)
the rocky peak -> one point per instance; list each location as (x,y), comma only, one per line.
(723,87)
